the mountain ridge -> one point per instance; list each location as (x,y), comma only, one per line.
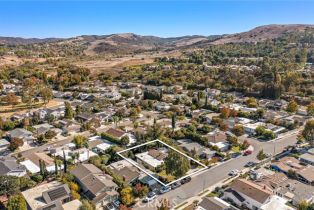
(133,43)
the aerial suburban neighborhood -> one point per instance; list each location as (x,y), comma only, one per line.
(123,121)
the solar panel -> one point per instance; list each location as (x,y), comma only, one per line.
(57,193)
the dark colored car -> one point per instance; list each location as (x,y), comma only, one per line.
(248,152)
(186,180)
(175,185)
(250,164)
(116,203)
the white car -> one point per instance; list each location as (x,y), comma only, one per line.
(233,172)
(150,196)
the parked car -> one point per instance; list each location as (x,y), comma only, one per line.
(117,203)
(250,164)
(186,180)
(176,185)
(236,154)
(233,172)
(247,152)
(150,196)
(164,189)
(110,206)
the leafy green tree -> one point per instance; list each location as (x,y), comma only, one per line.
(11,99)
(15,143)
(16,202)
(86,205)
(125,140)
(69,113)
(251,102)
(8,125)
(126,195)
(80,141)
(310,109)
(303,205)
(292,106)
(308,131)
(238,130)
(9,185)
(46,94)
(261,155)
(225,112)
(65,164)
(176,164)
(173,121)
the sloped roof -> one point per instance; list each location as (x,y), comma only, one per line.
(251,190)
(115,132)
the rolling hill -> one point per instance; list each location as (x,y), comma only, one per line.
(131,43)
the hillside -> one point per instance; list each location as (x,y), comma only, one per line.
(132,43)
(129,43)
(25,41)
(263,33)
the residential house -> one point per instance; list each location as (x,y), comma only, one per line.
(9,167)
(195,149)
(68,126)
(96,186)
(214,203)
(71,153)
(248,194)
(126,170)
(21,133)
(306,175)
(32,162)
(56,111)
(84,117)
(52,195)
(3,145)
(287,163)
(41,114)
(162,106)
(216,136)
(117,133)
(302,111)
(152,158)
(307,158)
(251,127)
(41,129)
(209,117)
(292,190)
(151,183)
(239,107)
(212,92)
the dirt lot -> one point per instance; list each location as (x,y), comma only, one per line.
(14,60)
(116,64)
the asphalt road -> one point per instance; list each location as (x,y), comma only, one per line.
(52,144)
(216,174)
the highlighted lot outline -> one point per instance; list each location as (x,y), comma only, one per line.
(167,145)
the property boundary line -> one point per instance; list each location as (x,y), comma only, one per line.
(149,174)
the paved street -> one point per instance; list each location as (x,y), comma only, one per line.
(52,144)
(220,172)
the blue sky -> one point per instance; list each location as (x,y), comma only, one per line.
(161,18)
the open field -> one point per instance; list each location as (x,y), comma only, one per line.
(7,110)
(114,65)
(15,61)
